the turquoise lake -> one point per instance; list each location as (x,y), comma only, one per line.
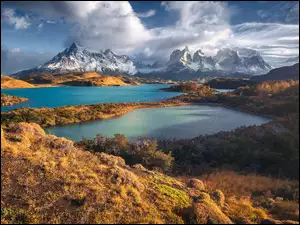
(61,96)
(163,123)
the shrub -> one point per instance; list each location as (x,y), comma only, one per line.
(140,151)
(218,197)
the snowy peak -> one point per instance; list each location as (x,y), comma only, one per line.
(198,53)
(202,62)
(241,60)
(179,60)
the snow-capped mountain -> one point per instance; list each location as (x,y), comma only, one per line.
(241,60)
(183,61)
(202,62)
(226,62)
(179,60)
(292,60)
(236,60)
(78,59)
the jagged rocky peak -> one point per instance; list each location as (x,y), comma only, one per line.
(108,52)
(241,60)
(74,47)
(186,55)
(198,55)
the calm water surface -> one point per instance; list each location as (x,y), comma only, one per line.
(163,123)
(61,96)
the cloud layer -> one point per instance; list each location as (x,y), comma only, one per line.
(200,25)
(14,60)
(19,22)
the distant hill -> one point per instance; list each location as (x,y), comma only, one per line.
(76,79)
(282,73)
(228,83)
(9,82)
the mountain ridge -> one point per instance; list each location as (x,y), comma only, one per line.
(227,61)
(281,73)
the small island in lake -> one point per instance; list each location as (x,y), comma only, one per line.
(7,100)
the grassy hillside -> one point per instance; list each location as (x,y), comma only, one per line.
(46,179)
(76,79)
(9,82)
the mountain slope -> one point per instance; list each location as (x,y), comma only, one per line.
(77,59)
(282,73)
(9,82)
(49,179)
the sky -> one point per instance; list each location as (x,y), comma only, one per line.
(34,32)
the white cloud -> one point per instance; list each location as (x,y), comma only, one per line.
(51,22)
(20,22)
(110,25)
(147,14)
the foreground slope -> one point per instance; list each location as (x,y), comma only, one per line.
(46,179)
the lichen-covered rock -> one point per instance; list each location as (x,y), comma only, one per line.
(218,197)
(205,211)
(62,144)
(203,196)
(110,160)
(27,129)
(139,167)
(122,176)
(195,183)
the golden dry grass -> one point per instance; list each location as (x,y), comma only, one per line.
(9,82)
(46,179)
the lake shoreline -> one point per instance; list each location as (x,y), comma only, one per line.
(119,109)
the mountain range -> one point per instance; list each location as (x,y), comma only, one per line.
(227,62)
